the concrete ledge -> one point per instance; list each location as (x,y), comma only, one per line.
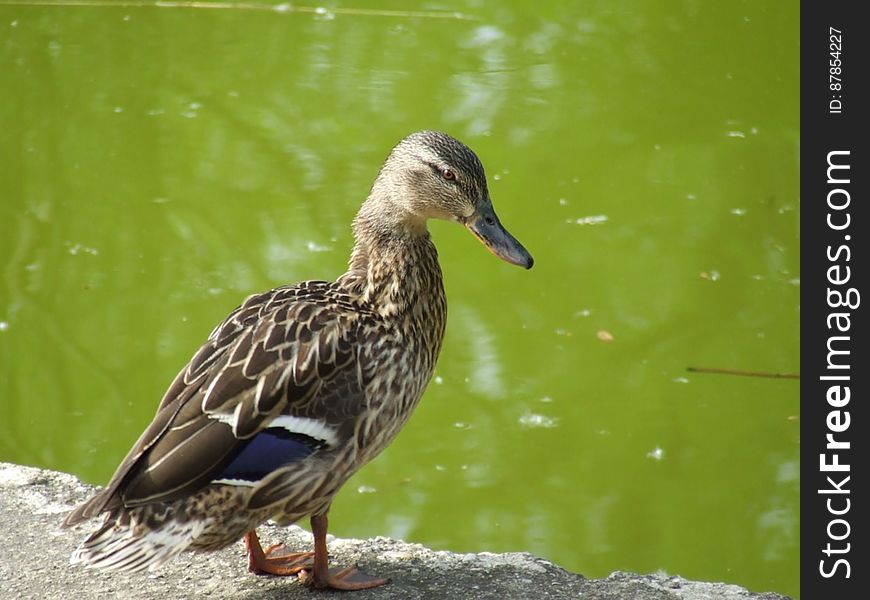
(36,554)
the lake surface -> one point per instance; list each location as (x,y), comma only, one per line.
(160,164)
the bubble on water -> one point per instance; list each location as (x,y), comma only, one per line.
(191,111)
(656,453)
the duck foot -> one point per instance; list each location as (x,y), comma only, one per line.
(277,559)
(321,576)
(337,578)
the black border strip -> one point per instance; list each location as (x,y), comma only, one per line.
(834,228)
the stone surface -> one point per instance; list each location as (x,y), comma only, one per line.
(35,558)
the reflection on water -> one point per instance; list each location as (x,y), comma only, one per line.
(161,164)
(485,373)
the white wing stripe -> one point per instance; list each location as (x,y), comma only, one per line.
(311,427)
(314,428)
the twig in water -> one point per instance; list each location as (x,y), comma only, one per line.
(744,373)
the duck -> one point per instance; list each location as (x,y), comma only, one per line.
(300,386)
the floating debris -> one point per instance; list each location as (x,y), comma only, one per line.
(80,248)
(710,276)
(604,335)
(591,220)
(536,421)
(315,247)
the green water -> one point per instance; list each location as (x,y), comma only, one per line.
(159,164)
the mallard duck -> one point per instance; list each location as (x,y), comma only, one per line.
(300,386)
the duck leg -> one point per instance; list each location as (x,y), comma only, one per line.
(321,576)
(275,560)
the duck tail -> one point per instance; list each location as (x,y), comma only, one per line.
(122,545)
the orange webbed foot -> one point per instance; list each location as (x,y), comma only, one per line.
(346,579)
(277,559)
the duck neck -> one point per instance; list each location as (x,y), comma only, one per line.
(394,267)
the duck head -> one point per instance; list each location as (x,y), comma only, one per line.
(431,175)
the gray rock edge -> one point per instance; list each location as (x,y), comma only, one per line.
(35,563)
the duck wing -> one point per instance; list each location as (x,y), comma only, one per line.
(271,385)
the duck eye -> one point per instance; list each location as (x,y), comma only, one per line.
(448,174)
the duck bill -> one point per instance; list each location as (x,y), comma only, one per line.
(485,225)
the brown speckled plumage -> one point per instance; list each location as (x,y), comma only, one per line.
(327,372)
